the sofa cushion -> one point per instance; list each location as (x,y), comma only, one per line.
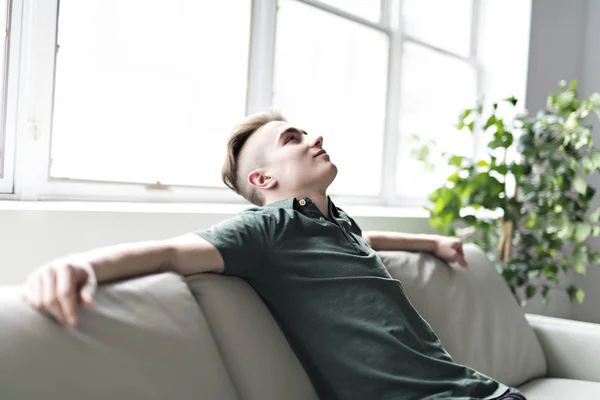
(144,338)
(560,389)
(261,362)
(473,313)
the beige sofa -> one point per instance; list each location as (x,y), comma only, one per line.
(210,337)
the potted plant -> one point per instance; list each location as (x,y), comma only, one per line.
(532,213)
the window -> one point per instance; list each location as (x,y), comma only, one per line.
(323,78)
(368,9)
(435,88)
(147,93)
(130,100)
(7,135)
(438,80)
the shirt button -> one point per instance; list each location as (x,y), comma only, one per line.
(302,202)
(322,219)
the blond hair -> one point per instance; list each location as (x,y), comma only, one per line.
(233,174)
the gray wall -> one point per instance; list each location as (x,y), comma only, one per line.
(556,49)
(565,44)
(590,82)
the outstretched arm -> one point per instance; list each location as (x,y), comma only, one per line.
(444,247)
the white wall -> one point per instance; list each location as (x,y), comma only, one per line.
(34,233)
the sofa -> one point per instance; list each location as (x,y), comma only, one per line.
(209,336)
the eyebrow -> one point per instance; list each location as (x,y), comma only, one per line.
(288,130)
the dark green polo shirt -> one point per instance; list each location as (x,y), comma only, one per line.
(348,321)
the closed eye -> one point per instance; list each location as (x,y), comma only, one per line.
(290,137)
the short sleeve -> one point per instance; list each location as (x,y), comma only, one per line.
(243,242)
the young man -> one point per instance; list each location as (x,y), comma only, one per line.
(348,321)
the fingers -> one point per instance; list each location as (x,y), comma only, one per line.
(86,294)
(66,293)
(50,301)
(55,291)
(458,254)
(461,256)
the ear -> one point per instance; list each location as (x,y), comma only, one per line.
(261,181)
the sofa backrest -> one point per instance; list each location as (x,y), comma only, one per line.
(259,359)
(211,337)
(471,310)
(144,338)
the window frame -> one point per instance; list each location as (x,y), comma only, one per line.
(35,99)
(10,75)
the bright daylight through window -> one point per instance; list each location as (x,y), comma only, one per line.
(147,94)
(3,70)
(114,102)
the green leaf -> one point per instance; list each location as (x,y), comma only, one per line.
(414,138)
(582,231)
(580,260)
(456,161)
(595,99)
(545,294)
(512,100)
(491,121)
(465,113)
(595,216)
(565,99)
(531,220)
(482,163)
(595,258)
(530,291)
(501,169)
(575,294)
(573,85)
(566,231)
(580,185)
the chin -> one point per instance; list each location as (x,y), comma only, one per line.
(331,174)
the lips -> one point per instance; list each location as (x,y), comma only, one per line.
(320,152)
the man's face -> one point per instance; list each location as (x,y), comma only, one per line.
(294,159)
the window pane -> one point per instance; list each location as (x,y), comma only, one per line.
(150,90)
(368,9)
(435,89)
(3,63)
(331,80)
(442,23)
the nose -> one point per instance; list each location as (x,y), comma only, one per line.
(318,141)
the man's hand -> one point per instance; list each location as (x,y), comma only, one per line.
(58,287)
(450,249)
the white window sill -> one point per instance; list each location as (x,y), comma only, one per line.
(191,208)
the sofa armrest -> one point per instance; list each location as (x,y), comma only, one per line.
(571,348)
(143,338)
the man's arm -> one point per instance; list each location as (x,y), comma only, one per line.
(60,285)
(446,248)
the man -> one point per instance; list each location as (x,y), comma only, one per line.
(348,321)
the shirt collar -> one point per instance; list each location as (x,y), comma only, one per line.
(293,204)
